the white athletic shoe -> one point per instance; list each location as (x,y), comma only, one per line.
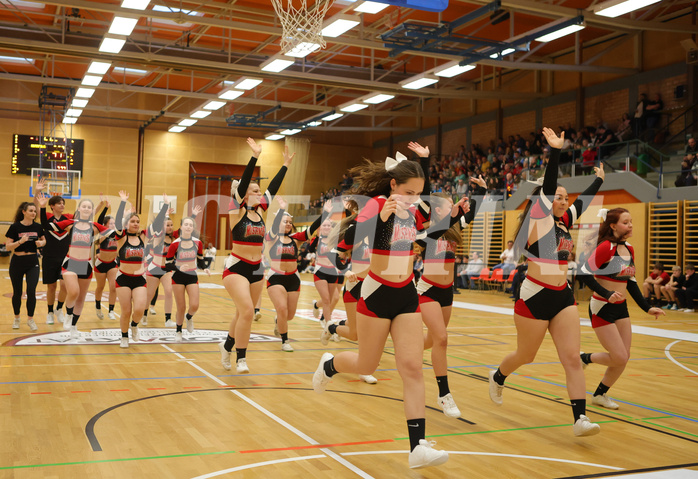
(287,347)
(134,333)
(316,310)
(336,338)
(144,321)
(687,310)
(15,323)
(190,325)
(604,401)
(74,333)
(241,366)
(67,321)
(60,315)
(325,336)
(257,315)
(448,405)
(178,336)
(425,455)
(99,313)
(170,324)
(152,311)
(32,325)
(124,343)
(584,427)
(225,357)
(50,318)
(495,390)
(320,379)
(368,379)
(111,315)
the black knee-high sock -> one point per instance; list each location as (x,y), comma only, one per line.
(75,318)
(145,313)
(111,308)
(124,335)
(241,353)
(284,337)
(579,407)
(417,429)
(168,316)
(134,324)
(499,377)
(343,322)
(189,316)
(586,357)
(602,389)
(98,304)
(442,382)
(332,328)
(60,305)
(179,328)
(229,343)
(154,300)
(68,311)
(50,308)
(329,368)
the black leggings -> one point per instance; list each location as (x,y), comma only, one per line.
(19,266)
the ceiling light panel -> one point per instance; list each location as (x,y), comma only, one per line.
(276,64)
(135,4)
(92,80)
(176,129)
(246,83)
(370,7)
(112,44)
(333,116)
(200,114)
(70,120)
(452,69)
(376,98)
(274,136)
(616,8)
(99,68)
(84,92)
(214,105)
(78,103)
(230,94)
(339,25)
(187,122)
(560,33)
(419,81)
(122,25)
(291,131)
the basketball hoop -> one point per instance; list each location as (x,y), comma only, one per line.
(301,25)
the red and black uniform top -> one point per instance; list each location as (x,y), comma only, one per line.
(80,238)
(556,245)
(607,263)
(130,253)
(185,259)
(57,242)
(280,250)
(247,231)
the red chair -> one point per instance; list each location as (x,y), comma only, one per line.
(484,276)
(509,280)
(496,280)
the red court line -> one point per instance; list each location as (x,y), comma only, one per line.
(118,390)
(550,374)
(288,384)
(80,391)
(319,446)
(227,386)
(5,394)
(260,385)
(42,393)
(384,379)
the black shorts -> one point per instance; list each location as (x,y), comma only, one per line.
(380,299)
(83,268)
(353,293)
(185,279)
(291,282)
(155,271)
(603,313)
(124,280)
(103,267)
(538,300)
(51,268)
(330,275)
(253,272)
(429,292)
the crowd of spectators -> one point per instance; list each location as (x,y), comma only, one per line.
(689,166)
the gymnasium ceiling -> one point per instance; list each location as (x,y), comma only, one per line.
(179,57)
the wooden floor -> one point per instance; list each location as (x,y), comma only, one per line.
(93,410)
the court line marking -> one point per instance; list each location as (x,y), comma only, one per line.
(258,464)
(668,355)
(276,419)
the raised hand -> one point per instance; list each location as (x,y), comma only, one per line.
(283,204)
(478,181)
(599,172)
(288,158)
(170,212)
(165,199)
(42,199)
(463,204)
(256,149)
(422,151)
(553,140)
(123,195)
(389,207)
(196,210)
(40,185)
(327,206)
(103,201)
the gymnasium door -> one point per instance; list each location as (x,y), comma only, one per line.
(210,184)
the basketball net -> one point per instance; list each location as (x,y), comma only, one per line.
(301,25)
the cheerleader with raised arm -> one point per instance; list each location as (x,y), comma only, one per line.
(131,286)
(77,266)
(612,265)
(244,272)
(389,303)
(546,300)
(106,268)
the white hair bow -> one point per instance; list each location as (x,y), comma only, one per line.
(234,186)
(391,163)
(602,213)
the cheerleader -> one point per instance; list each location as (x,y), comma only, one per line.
(105,268)
(156,273)
(183,257)
(327,279)
(24,236)
(546,300)
(131,286)
(389,303)
(283,280)
(244,272)
(77,266)
(612,264)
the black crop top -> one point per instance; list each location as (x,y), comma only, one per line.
(280,251)
(249,232)
(605,262)
(130,253)
(33,232)
(109,244)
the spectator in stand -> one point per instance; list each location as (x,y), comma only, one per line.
(687,177)
(653,283)
(604,137)
(209,256)
(639,117)
(509,185)
(475,266)
(520,275)
(417,266)
(653,116)
(691,147)
(588,157)
(346,182)
(676,281)
(508,261)
(461,187)
(461,267)
(687,293)
(624,130)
